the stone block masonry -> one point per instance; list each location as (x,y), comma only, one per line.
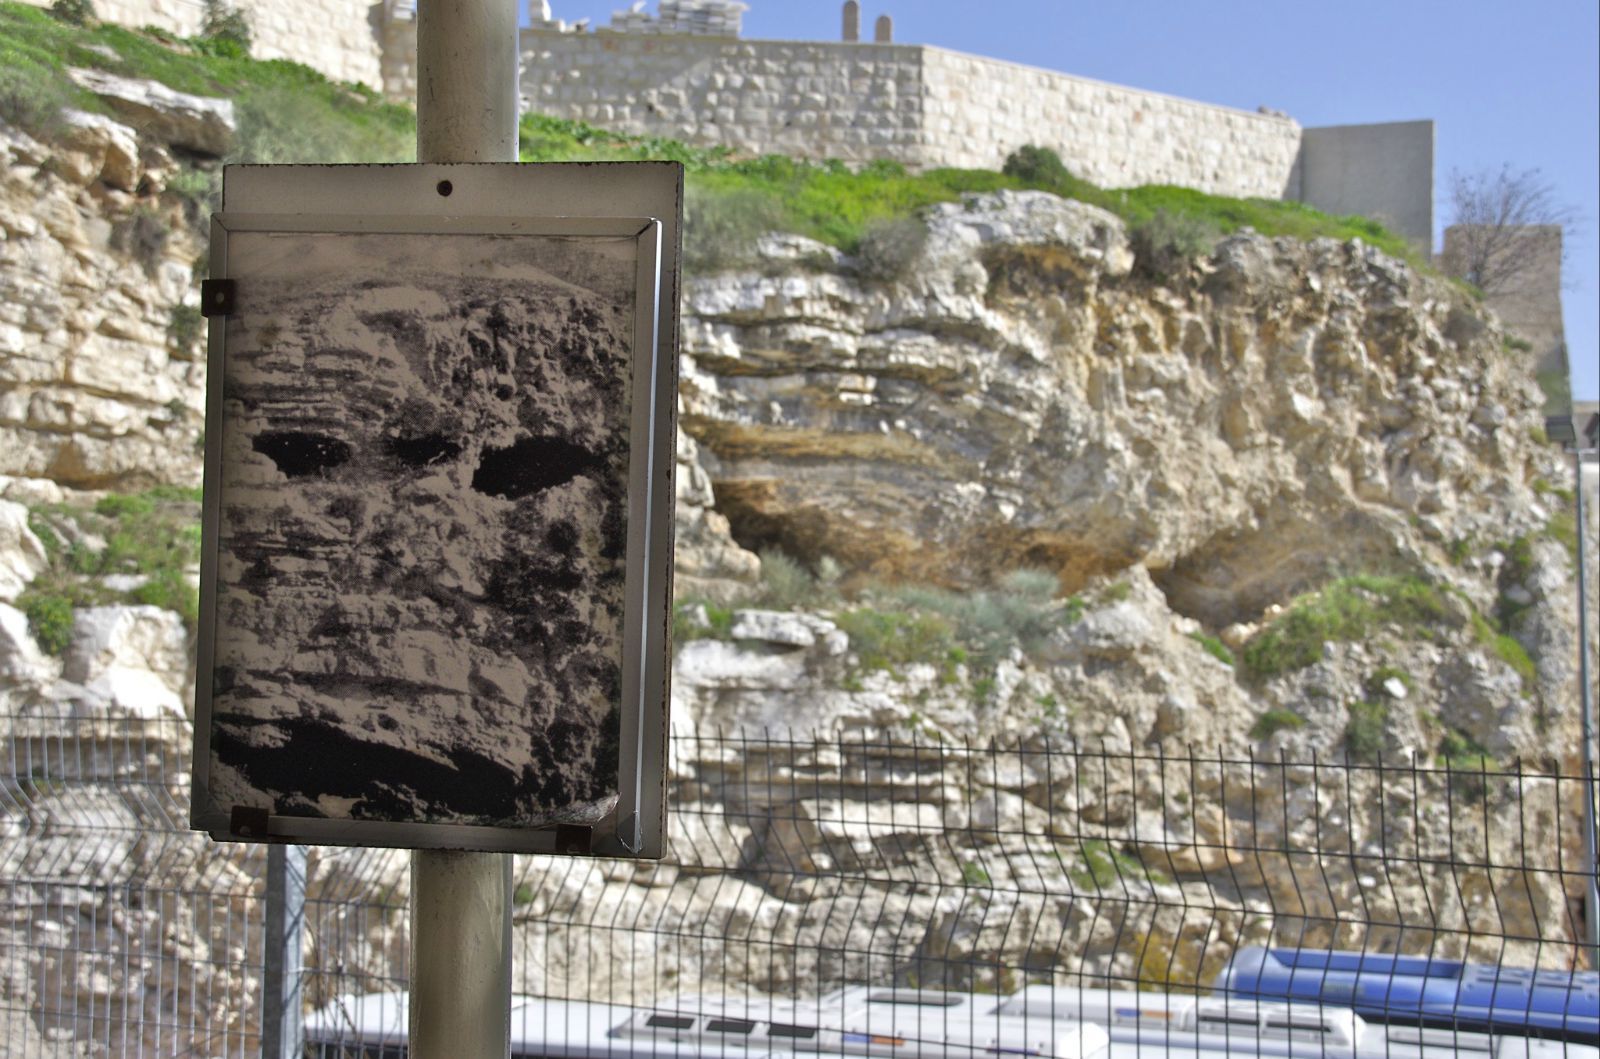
(914,104)
(856,102)
(339,38)
(978,110)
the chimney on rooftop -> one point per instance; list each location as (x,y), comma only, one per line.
(883,30)
(852,21)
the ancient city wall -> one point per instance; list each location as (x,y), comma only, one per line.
(919,105)
(855,102)
(860,102)
(339,38)
(978,110)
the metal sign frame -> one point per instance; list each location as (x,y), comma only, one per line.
(642,201)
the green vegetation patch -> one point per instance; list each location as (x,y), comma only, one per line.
(286,112)
(1364,737)
(889,640)
(1105,866)
(1274,721)
(1508,650)
(1348,609)
(1213,647)
(736,199)
(153,536)
(1020,613)
(686,626)
(1468,764)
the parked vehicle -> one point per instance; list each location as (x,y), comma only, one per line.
(1417,989)
(1043,1021)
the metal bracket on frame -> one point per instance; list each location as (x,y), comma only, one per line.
(217,297)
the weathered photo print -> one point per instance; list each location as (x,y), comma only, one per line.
(422,528)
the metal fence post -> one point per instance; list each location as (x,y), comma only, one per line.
(1591,867)
(282,1034)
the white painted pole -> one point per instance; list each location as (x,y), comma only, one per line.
(467,111)
(467,81)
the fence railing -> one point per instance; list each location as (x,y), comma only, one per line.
(797,865)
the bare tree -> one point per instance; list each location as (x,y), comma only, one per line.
(1501,227)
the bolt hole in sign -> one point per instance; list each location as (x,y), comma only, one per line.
(436,575)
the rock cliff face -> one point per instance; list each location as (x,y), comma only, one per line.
(102,374)
(1279,415)
(1292,498)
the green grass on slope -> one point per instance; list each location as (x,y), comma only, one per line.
(829,202)
(290,113)
(287,112)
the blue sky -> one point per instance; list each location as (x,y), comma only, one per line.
(1517,83)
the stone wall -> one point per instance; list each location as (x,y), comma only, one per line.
(339,38)
(978,110)
(918,105)
(855,102)
(859,102)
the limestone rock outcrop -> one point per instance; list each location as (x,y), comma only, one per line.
(1021,399)
(101,376)
(1185,456)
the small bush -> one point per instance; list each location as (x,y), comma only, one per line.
(1508,650)
(155,534)
(1213,647)
(1036,165)
(118,505)
(720,229)
(891,639)
(1518,554)
(50,620)
(1364,731)
(30,99)
(1104,866)
(1457,749)
(1168,243)
(890,247)
(76,12)
(685,627)
(170,590)
(40,525)
(1348,610)
(1468,764)
(1116,592)
(785,583)
(227,30)
(1020,612)
(1274,721)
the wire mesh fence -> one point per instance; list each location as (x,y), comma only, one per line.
(798,867)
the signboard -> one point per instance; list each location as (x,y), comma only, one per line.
(435,585)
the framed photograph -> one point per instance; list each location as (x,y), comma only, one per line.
(437,541)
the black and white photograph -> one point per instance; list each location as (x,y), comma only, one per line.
(423,524)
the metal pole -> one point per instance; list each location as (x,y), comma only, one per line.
(1591,917)
(461,902)
(282,1032)
(467,81)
